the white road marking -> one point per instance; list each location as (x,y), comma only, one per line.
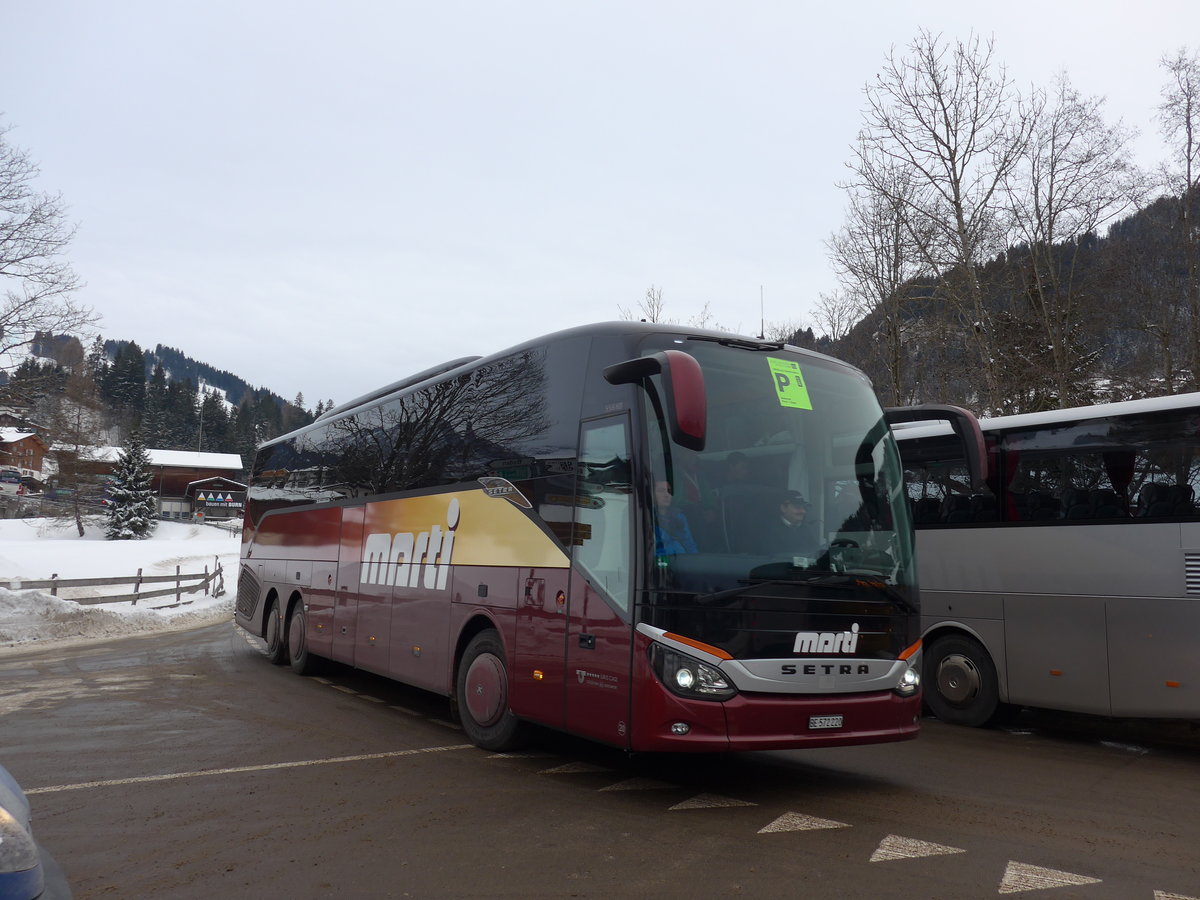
(521,755)
(574,769)
(1024,877)
(1163,895)
(237,770)
(895,847)
(796,822)
(638,784)
(1128,748)
(711,801)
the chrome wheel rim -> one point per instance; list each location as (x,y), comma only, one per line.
(958,679)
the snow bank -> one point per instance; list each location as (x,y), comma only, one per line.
(37,549)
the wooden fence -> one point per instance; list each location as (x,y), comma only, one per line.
(210,582)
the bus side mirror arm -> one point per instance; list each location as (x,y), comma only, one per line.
(965,425)
(683,387)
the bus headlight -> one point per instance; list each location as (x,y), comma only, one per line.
(910,683)
(689,677)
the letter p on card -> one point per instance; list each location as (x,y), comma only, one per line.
(789,383)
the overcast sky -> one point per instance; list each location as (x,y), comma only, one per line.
(324,198)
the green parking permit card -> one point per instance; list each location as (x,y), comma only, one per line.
(789,383)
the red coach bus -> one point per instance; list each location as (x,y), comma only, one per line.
(590,532)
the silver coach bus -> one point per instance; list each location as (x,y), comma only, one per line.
(1072,580)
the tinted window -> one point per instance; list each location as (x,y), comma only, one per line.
(1120,469)
(604,513)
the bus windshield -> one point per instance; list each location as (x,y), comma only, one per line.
(799,479)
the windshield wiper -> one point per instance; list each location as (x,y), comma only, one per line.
(740,343)
(821,579)
(745,588)
(862,579)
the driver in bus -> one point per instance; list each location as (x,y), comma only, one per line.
(672,535)
(791,532)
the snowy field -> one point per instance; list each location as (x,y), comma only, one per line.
(36,549)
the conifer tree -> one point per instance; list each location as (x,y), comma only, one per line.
(154,419)
(131,501)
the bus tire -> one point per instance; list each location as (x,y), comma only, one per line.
(301,661)
(482,695)
(960,681)
(275,637)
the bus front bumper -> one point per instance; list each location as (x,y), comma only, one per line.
(773,721)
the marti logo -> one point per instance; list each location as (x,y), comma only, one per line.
(827,641)
(411,560)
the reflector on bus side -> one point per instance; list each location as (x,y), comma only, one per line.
(699,645)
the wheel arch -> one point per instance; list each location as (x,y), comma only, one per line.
(272,597)
(993,648)
(295,598)
(477,623)
(473,626)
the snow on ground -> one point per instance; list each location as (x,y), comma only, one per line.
(37,549)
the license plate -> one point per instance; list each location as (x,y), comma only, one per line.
(815,722)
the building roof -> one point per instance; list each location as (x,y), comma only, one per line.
(12,435)
(176,459)
(192,484)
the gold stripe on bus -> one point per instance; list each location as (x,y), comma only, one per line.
(487,531)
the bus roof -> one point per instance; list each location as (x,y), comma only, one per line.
(913,430)
(467,363)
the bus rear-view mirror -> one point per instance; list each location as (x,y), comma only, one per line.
(686,404)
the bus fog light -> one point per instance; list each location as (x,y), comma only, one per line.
(681,728)
(910,682)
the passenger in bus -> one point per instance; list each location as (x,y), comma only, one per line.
(792,532)
(672,535)
(737,470)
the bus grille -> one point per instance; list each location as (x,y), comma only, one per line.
(1191,567)
(248,591)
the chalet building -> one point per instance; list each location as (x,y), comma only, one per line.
(10,418)
(217,498)
(23,451)
(179,477)
(15,414)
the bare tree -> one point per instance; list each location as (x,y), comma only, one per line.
(949,119)
(877,256)
(651,308)
(1142,285)
(705,319)
(35,281)
(1076,174)
(76,430)
(1179,117)
(789,331)
(836,314)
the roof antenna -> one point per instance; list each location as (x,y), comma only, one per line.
(762,322)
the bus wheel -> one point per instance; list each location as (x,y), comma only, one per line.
(482,693)
(301,661)
(960,681)
(276,646)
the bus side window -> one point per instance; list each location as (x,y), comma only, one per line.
(604,509)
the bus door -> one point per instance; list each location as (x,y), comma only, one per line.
(345,601)
(599,609)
